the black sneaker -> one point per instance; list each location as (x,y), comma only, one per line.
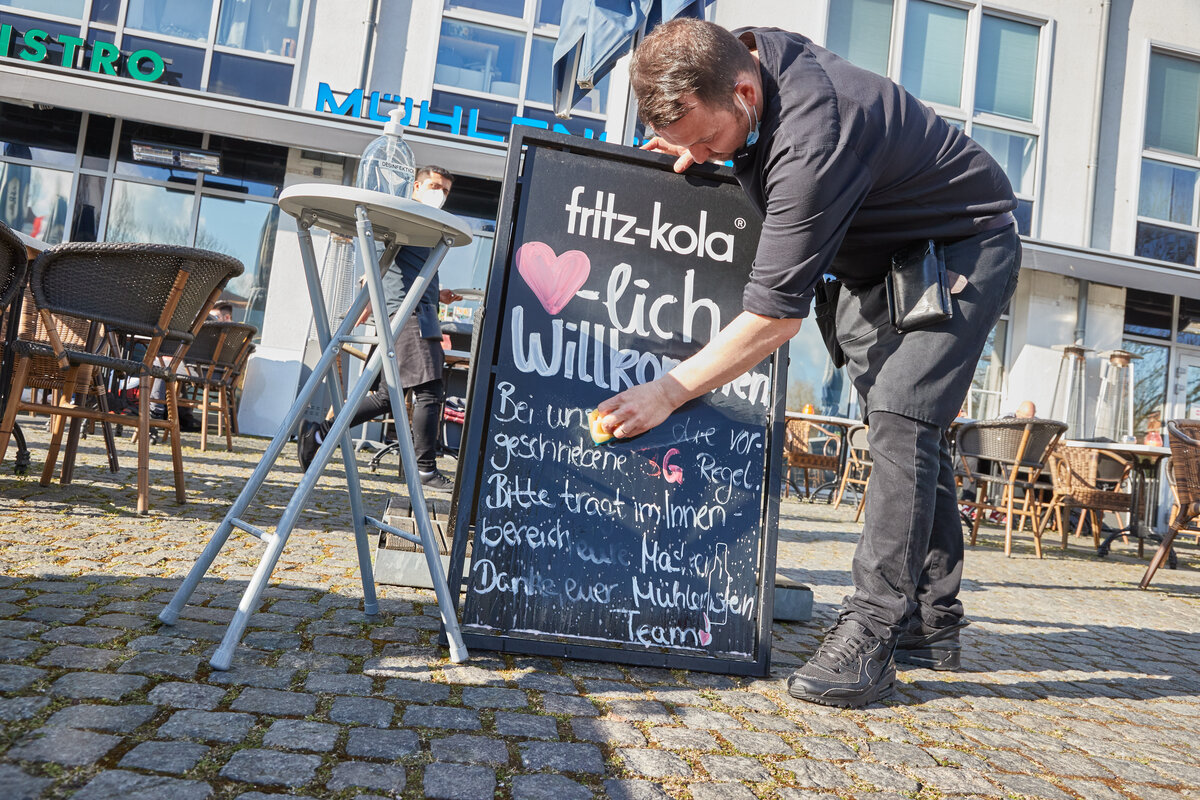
(850,669)
(437,482)
(931,648)
(307,444)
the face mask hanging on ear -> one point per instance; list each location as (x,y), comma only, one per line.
(430,196)
(752,136)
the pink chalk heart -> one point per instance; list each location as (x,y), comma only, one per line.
(554,279)
(705,636)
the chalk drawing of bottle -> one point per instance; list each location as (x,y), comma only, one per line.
(718,586)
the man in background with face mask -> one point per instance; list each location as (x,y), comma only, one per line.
(419,353)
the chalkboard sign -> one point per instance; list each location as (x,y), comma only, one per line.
(660,549)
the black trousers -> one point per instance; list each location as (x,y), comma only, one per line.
(909,559)
(426,413)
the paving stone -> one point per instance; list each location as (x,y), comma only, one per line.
(338,683)
(387,744)
(956,781)
(826,748)
(548,787)
(633,790)
(1012,762)
(187,695)
(945,755)
(650,711)
(563,757)
(173,757)
(881,777)
(606,732)
(262,677)
(898,753)
(271,768)
(1130,771)
(19,708)
(771,722)
(459,719)
(734,768)
(491,697)
(209,726)
(96,685)
(459,782)
(67,746)
(21,786)
(121,785)
(162,664)
(829,725)
(758,743)
(528,726)
(16,649)
(362,711)
(19,629)
(569,704)
(275,703)
(296,734)
(124,621)
(14,678)
(654,763)
(66,616)
(341,645)
(684,739)
(541,682)
(470,750)
(76,634)
(75,657)
(382,777)
(720,791)
(272,640)
(114,719)
(703,719)
(819,774)
(417,691)
(1030,786)
(409,667)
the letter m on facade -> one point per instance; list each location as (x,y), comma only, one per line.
(350,107)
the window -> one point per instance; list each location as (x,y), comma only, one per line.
(180,19)
(987,385)
(270,27)
(497,56)
(1168,214)
(58,8)
(1149,385)
(938,44)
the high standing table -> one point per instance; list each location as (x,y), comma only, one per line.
(1146,459)
(371,217)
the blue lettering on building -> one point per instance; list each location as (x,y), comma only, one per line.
(460,121)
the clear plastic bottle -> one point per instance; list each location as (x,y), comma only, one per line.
(387,164)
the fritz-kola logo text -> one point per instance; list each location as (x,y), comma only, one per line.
(602,222)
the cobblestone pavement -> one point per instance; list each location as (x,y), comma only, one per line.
(1076,684)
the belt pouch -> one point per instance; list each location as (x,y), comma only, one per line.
(918,291)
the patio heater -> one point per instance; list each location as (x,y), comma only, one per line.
(1070,389)
(1114,408)
(337,287)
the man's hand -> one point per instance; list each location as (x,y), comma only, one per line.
(683,158)
(447,296)
(640,408)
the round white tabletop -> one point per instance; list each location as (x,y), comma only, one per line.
(31,244)
(1121,447)
(405,221)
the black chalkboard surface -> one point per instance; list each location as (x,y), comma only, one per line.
(609,269)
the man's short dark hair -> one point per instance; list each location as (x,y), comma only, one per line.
(432,169)
(683,57)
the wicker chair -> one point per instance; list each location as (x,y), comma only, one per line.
(799,453)
(142,294)
(1088,479)
(211,364)
(1184,438)
(1016,449)
(857,471)
(13,264)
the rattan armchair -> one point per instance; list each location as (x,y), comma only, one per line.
(13,263)
(799,451)
(1016,450)
(212,363)
(857,471)
(1089,479)
(1184,439)
(142,295)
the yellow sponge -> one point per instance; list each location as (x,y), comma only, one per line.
(599,435)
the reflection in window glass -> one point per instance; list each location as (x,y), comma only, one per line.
(1007,67)
(1189,321)
(549,12)
(265,27)
(85,225)
(142,213)
(240,76)
(1149,384)
(1148,313)
(983,402)
(576,125)
(170,137)
(184,65)
(1024,216)
(1173,105)
(1167,192)
(48,136)
(105,11)
(58,8)
(1014,153)
(494,117)
(1166,244)
(244,229)
(509,8)
(185,19)
(251,167)
(540,85)
(33,200)
(467,267)
(861,31)
(935,41)
(480,59)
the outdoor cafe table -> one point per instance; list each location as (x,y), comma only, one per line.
(1146,460)
(843,426)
